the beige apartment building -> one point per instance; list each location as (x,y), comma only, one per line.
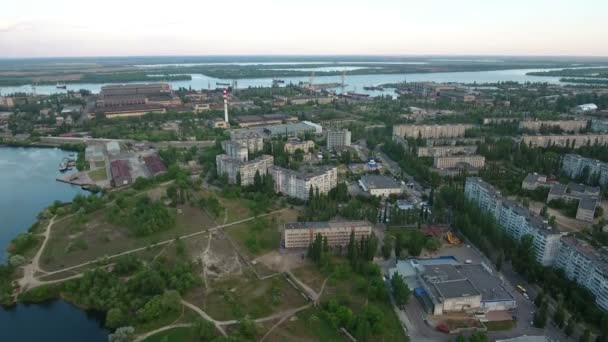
(431,131)
(566,125)
(564,140)
(294,144)
(440,151)
(297,184)
(247,169)
(448,162)
(302,234)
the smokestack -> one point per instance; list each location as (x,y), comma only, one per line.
(225,104)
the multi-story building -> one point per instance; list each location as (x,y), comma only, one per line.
(252,140)
(585,265)
(294,144)
(235,150)
(565,125)
(573,165)
(440,151)
(431,131)
(564,140)
(338,138)
(514,219)
(233,167)
(297,184)
(381,186)
(302,234)
(451,162)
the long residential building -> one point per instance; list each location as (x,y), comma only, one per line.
(431,131)
(246,169)
(297,184)
(441,151)
(585,265)
(514,219)
(565,125)
(450,162)
(564,140)
(338,138)
(574,165)
(302,234)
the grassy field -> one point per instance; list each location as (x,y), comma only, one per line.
(78,239)
(98,174)
(172,335)
(236,208)
(305,326)
(235,296)
(310,276)
(261,235)
(500,325)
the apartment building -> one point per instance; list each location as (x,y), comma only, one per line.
(247,169)
(441,151)
(451,162)
(431,131)
(294,144)
(586,266)
(514,219)
(302,234)
(565,125)
(338,138)
(252,140)
(297,184)
(235,149)
(574,165)
(564,140)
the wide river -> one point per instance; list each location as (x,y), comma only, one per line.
(353,83)
(27,185)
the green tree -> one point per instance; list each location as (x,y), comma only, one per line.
(115,318)
(401,292)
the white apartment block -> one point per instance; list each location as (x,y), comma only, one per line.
(339,138)
(235,150)
(450,162)
(302,234)
(564,140)
(247,169)
(586,266)
(431,131)
(574,164)
(442,151)
(297,184)
(566,125)
(514,219)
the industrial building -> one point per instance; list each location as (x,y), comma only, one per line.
(585,265)
(431,131)
(442,151)
(155,165)
(573,165)
(381,186)
(285,130)
(265,119)
(246,169)
(297,184)
(452,162)
(514,219)
(443,285)
(338,138)
(302,234)
(574,126)
(564,140)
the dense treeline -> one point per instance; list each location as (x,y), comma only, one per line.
(143,217)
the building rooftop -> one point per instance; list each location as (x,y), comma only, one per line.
(456,289)
(327,225)
(587,203)
(155,164)
(379,182)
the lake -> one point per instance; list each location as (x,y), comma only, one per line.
(353,82)
(27,185)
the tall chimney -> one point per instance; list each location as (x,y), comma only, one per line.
(225,104)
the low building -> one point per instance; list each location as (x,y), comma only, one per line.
(338,138)
(155,165)
(265,119)
(246,170)
(297,184)
(534,181)
(294,144)
(113,147)
(443,285)
(71,109)
(202,107)
(121,173)
(94,153)
(452,162)
(442,151)
(370,166)
(381,186)
(585,108)
(217,123)
(338,233)
(574,165)
(588,198)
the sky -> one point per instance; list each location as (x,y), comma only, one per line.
(57,28)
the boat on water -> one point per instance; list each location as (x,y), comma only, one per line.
(66,164)
(373,88)
(61,86)
(222,84)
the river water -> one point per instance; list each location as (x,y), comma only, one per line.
(27,185)
(353,82)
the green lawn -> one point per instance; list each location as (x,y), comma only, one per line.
(98,174)
(172,335)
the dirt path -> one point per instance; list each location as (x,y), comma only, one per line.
(204,315)
(161,329)
(30,269)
